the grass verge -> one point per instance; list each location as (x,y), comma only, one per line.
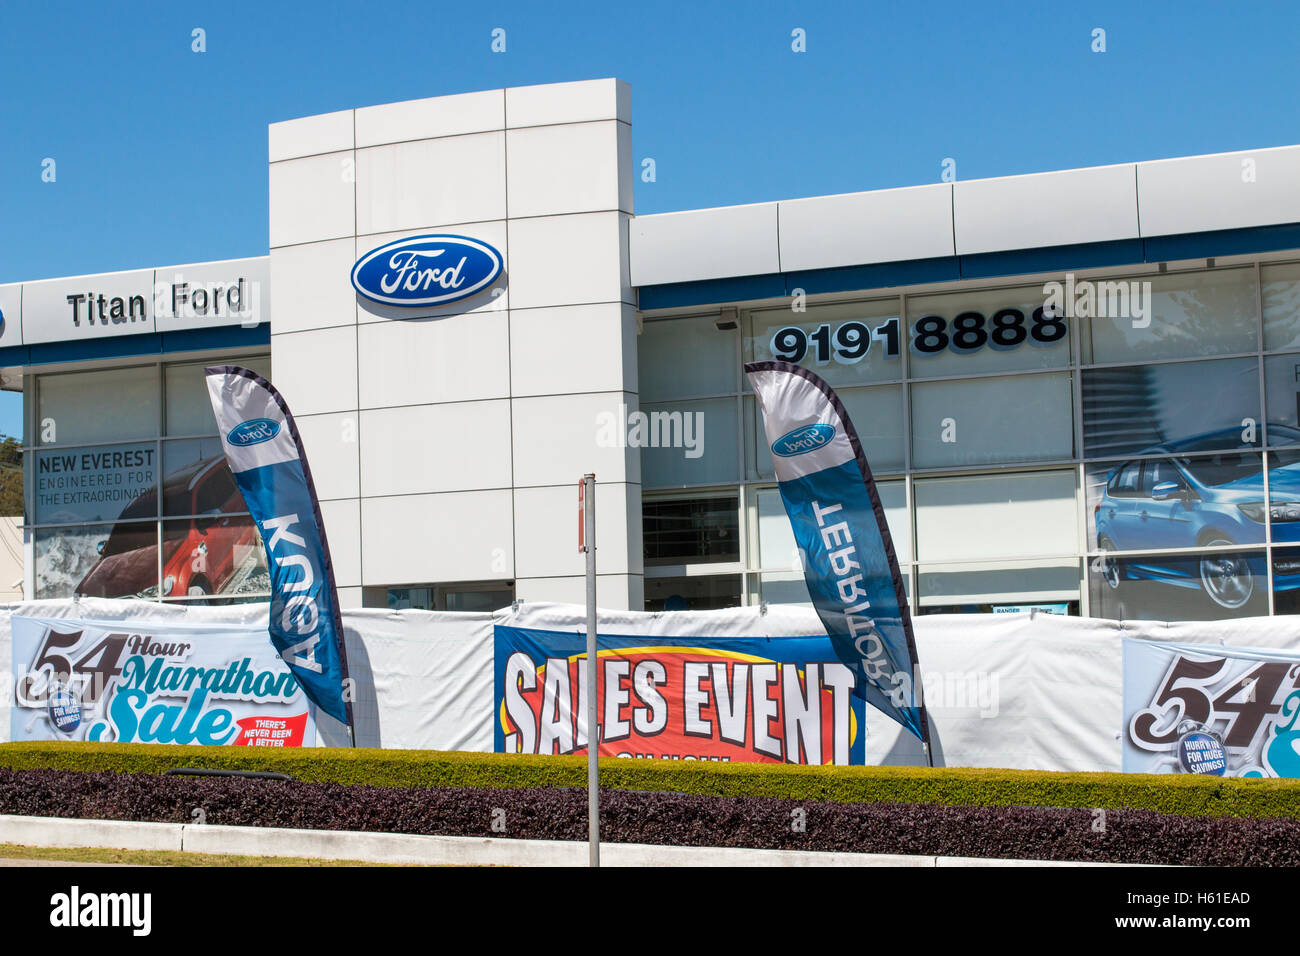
(14,851)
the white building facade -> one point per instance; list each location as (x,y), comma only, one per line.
(1077,389)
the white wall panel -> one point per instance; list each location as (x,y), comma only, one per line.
(556,440)
(343,531)
(433,448)
(886,225)
(546,530)
(458,536)
(1045,209)
(704,244)
(418,361)
(316,371)
(311,288)
(566,260)
(332,443)
(562,169)
(578,102)
(312,199)
(310,135)
(569,349)
(457,179)
(431,118)
(1215,192)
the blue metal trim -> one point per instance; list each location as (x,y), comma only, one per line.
(677,294)
(121,346)
(1088,255)
(1223,242)
(879,276)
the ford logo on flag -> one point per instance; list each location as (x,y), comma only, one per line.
(426,270)
(802,440)
(253,432)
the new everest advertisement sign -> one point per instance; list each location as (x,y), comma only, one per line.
(153,683)
(753,699)
(1225,711)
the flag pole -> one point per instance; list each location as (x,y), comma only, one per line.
(587,543)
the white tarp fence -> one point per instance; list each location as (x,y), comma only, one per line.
(1004,690)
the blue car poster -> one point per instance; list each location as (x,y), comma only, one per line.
(1177,531)
(145,682)
(1208,709)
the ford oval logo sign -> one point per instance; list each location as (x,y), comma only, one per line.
(426,270)
(253,432)
(803,440)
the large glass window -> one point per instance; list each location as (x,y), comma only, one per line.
(678,531)
(189,410)
(1182,406)
(850,344)
(976,587)
(994,516)
(689,357)
(110,405)
(145,515)
(1282,383)
(992,420)
(1162,479)
(877,416)
(994,330)
(1281,295)
(688,443)
(1184,315)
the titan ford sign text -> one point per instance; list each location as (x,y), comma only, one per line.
(803,440)
(426,270)
(253,432)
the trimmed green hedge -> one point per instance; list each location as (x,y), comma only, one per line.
(1182,794)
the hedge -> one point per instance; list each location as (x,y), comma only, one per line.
(1183,794)
(674,819)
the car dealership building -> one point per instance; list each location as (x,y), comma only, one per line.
(1076,389)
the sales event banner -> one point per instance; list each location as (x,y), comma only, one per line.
(744,699)
(1198,708)
(153,683)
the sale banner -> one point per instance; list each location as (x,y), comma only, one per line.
(749,699)
(141,682)
(1198,708)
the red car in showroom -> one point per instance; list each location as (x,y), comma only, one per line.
(201,553)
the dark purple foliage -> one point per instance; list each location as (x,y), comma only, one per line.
(1132,836)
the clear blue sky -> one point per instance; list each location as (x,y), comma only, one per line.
(161,152)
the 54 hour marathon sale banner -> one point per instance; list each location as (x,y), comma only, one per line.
(138,682)
(684,698)
(1207,709)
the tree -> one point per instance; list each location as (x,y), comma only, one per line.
(11,476)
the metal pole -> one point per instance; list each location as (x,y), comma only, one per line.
(593,741)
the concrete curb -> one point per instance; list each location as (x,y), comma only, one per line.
(434,850)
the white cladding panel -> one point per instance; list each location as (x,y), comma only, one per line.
(446,413)
(705,244)
(1226,191)
(887,225)
(1045,209)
